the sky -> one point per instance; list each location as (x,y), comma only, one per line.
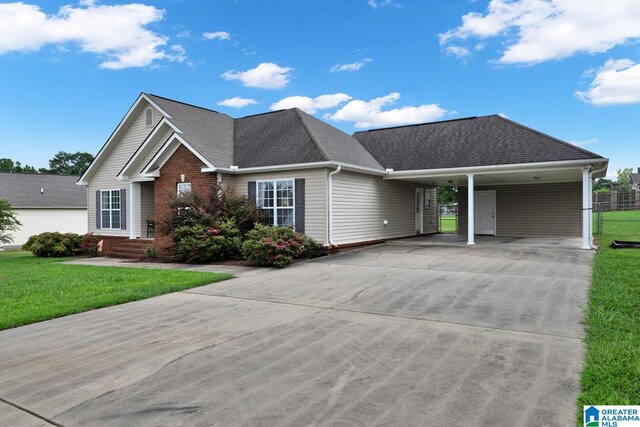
(570,68)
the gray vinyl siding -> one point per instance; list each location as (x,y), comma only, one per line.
(118,155)
(147,205)
(430,214)
(362,202)
(540,210)
(152,150)
(315,196)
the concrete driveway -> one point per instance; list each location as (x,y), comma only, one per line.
(409,333)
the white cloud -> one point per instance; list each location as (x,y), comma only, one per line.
(266,76)
(458,51)
(217,35)
(378,3)
(354,66)
(117,33)
(585,142)
(311,105)
(369,113)
(616,82)
(543,30)
(237,102)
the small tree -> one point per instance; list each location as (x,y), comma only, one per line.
(624,178)
(8,222)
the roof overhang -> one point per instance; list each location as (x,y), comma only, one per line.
(117,133)
(152,169)
(298,166)
(521,173)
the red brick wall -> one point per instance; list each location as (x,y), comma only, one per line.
(184,162)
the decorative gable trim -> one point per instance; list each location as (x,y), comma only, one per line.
(152,169)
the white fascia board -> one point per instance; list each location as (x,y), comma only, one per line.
(492,169)
(314,165)
(99,157)
(124,175)
(167,151)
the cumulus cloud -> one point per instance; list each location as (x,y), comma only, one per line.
(381,3)
(585,142)
(354,66)
(265,76)
(237,102)
(311,105)
(117,33)
(458,51)
(543,30)
(366,114)
(217,35)
(616,82)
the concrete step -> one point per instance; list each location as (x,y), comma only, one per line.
(118,254)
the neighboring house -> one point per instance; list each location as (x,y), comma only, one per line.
(635,181)
(340,189)
(45,203)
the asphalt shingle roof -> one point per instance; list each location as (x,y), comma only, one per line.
(474,141)
(635,178)
(22,190)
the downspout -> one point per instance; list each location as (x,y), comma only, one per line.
(591,191)
(330,211)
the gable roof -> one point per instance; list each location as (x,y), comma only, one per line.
(474,141)
(292,136)
(22,190)
(635,178)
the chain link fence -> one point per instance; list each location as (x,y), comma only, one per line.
(614,209)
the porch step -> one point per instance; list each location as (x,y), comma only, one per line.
(132,249)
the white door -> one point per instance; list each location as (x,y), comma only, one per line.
(419,209)
(485,212)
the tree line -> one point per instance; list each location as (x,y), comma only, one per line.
(62,163)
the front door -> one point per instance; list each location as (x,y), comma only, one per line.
(419,209)
(485,212)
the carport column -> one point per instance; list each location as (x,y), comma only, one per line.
(132,210)
(586,209)
(470,215)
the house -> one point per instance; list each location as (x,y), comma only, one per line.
(45,203)
(340,189)
(635,181)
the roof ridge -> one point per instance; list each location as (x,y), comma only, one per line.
(262,114)
(553,138)
(422,124)
(320,149)
(39,174)
(185,103)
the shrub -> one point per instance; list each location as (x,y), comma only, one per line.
(150,252)
(89,245)
(276,246)
(201,243)
(53,244)
(8,222)
(192,208)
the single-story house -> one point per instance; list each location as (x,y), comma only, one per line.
(44,203)
(340,189)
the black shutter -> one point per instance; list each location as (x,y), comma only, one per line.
(123,209)
(299,202)
(251,192)
(98,213)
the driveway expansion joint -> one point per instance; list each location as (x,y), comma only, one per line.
(30,412)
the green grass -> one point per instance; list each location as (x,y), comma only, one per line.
(35,289)
(448,224)
(611,374)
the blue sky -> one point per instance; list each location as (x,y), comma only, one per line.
(70,71)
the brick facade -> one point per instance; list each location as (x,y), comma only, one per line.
(181,162)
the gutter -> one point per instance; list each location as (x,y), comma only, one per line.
(330,211)
(591,192)
(297,166)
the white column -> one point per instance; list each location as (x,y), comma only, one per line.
(586,209)
(590,209)
(471,212)
(132,210)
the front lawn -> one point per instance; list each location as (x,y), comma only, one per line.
(35,289)
(611,374)
(448,224)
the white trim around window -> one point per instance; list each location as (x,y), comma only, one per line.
(183,187)
(277,197)
(110,209)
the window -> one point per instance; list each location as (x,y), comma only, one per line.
(276,198)
(148,117)
(110,209)
(184,187)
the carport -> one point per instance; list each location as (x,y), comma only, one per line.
(536,199)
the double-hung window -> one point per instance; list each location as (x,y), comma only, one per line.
(276,199)
(110,209)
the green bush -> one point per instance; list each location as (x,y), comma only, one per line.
(53,244)
(150,252)
(200,243)
(276,246)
